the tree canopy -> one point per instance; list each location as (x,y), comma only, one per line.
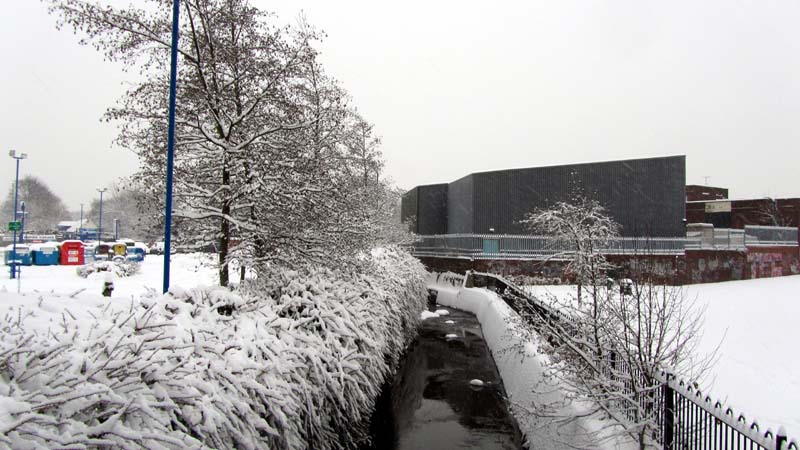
(44,208)
(270,158)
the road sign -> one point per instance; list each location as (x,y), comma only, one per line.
(14,226)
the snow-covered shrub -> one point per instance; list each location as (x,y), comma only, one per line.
(118,268)
(295,361)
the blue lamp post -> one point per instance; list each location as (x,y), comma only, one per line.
(100,222)
(12,263)
(171,141)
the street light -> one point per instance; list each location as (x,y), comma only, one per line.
(100,224)
(80,225)
(12,263)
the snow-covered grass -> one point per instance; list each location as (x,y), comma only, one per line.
(754,323)
(187,270)
(523,368)
(294,360)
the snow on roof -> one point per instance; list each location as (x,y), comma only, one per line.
(41,246)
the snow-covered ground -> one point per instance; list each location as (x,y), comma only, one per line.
(186,270)
(758,372)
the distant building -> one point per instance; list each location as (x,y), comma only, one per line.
(695,192)
(647,197)
(73,229)
(728,213)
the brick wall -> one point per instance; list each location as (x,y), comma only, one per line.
(697,266)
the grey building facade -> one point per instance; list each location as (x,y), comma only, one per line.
(645,196)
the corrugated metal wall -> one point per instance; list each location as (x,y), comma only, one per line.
(645,196)
(432,209)
(428,206)
(460,206)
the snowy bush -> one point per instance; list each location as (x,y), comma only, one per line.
(293,361)
(118,268)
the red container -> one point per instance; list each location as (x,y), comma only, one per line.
(71,253)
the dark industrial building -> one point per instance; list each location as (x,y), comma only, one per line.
(647,197)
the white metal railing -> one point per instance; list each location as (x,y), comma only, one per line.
(505,246)
(525,246)
(770,236)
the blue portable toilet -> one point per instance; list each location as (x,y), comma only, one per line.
(23,255)
(88,252)
(45,254)
(137,251)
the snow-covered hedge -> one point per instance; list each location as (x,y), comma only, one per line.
(118,268)
(294,361)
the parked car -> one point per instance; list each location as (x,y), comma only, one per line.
(156,248)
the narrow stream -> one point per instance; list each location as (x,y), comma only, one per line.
(431,403)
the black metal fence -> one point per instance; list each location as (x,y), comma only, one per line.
(685,418)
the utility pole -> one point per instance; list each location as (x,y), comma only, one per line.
(80,225)
(100,224)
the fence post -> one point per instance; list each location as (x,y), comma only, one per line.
(669,414)
(780,438)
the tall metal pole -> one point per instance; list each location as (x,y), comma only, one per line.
(21,231)
(12,262)
(171,142)
(80,224)
(100,224)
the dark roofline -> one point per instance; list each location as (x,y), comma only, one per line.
(706,186)
(569,165)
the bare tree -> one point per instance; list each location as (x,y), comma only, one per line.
(769,214)
(617,348)
(43,207)
(583,225)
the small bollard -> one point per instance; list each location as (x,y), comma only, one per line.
(108,286)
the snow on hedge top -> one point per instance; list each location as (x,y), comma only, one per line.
(295,360)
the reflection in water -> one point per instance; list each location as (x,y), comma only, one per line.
(430,403)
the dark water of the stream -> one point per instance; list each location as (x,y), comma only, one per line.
(430,404)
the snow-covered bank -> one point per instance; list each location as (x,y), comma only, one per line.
(754,324)
(523,368)
(294,362)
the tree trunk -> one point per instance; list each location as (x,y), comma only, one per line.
(224,235)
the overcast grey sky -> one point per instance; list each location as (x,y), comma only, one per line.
(460,87)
